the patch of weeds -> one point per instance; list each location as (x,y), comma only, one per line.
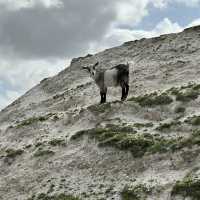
(162,145)
(115,127)
(33,120)
(179,109)
(38,144)
(194,139)
(143,125)
(41,152)
(188,187)
(57,142)
(43,196)
(194,120)
(139,192)
(187,95)
(167,126)
(137,144)
(12,153)
(152,99)
(101,108)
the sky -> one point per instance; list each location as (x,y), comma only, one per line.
(38,38)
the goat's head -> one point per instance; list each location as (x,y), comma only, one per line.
(91,69)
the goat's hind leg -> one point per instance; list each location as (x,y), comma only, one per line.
(123,94)
(103,96)
(126,90)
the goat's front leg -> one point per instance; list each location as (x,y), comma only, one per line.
(123,94)
(103,95)
(126,90)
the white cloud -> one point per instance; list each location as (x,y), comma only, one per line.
(18,4)
(117,36)
(196,22)
(19,76)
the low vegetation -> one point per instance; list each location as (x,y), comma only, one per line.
(12,153)
(188,187)
(43,196)
(127,140)
(194,120)
(186,93)
(153,99)
(100,108)
(33,120)
(57,142)
(41,152)
(139,192)
(167,126)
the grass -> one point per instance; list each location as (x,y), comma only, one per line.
(43,196)
(188,187)
(120,138)
(57,142)
(33,120)
(194,120)
(101,108)
(143,125)
(153,99)
(187,95)
(139,192)
(167,126)
(180,109)
(12,153)
(41,152)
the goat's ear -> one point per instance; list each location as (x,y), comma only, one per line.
(95,65)
(86,68)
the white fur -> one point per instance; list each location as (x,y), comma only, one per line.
(110,78)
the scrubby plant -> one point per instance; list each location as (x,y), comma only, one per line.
(188,187)
(152,99)
(57,142)
(33,120)
(100,108)
(179,109)
(137,144)
(187,95)
(143,125)
(139,192)
(12,153)
(194,120)
(41,152)
(44,196)
(166,126)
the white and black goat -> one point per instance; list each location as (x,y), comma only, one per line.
(116,76)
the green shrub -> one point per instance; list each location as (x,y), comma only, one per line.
(188,187)
(12,153)
(152,99)
(139,192)
(41,152)
(57,142)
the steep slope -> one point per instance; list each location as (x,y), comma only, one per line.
(57,141)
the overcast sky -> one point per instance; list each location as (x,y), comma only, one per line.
(39,37)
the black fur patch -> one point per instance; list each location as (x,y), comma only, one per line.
(122,74)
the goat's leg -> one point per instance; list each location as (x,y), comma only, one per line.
(126,90)
(123,93)
(102,97)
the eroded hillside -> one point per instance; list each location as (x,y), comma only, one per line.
(58,143)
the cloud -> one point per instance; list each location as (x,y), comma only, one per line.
(18,76)
(117,36)
(40,32)
(35,29)
(196,22)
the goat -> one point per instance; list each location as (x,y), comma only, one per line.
(116,76)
